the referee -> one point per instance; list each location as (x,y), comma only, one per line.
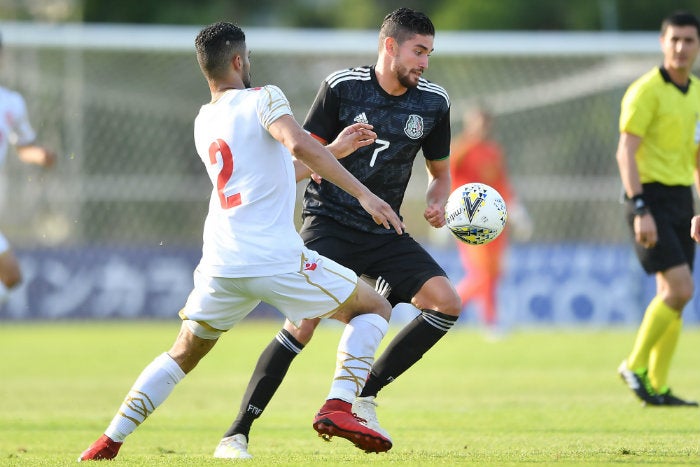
(657,156)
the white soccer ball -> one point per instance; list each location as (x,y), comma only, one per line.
(476,213)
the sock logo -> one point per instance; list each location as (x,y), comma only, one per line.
(138,405)
(256,411)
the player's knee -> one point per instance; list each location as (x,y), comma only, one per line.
(304,332)
(448,303)
(438,294)
(680,296)
(452,305)
(383,308)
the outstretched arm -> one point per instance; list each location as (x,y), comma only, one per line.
(316,157)
(349,140)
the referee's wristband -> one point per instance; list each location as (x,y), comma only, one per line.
(639,206)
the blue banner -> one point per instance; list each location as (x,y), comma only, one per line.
(570,284)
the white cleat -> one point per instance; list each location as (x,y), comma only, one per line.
(365,408)
(233,447)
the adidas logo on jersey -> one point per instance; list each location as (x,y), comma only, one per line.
(361,118)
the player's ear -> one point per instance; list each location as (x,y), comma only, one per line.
(391,47)
(237,61)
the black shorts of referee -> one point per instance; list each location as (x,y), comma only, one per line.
(672,209)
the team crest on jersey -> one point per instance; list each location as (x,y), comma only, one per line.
(414,126)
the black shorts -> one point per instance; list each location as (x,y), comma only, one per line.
(399,259)
(672,208)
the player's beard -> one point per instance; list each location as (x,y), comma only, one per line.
(403,75)
(245,76)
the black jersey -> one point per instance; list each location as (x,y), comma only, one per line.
(418,119)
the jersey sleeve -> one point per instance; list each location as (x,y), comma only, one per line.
(322,118)
(437,144)
(21,132)
(637,110)
(272,104)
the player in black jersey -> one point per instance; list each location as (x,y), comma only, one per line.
(408,114)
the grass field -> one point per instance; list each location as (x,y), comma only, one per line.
(537,397)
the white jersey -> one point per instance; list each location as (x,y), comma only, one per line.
(249,230)
(15,128)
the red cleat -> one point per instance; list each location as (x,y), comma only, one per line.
(102,449)
(335,419)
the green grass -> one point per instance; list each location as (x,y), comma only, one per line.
(537,397)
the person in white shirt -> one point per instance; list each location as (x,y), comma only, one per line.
(246,138)
(17,131)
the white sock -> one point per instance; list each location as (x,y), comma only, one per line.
(356,351)
(152,387)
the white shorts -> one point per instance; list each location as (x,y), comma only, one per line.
(316,290)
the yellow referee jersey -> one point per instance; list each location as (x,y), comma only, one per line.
(667,120)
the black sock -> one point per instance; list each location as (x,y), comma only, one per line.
(272,365)
(407,348)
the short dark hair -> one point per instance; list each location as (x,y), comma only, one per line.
(680,18)
(404,23)
(216,45)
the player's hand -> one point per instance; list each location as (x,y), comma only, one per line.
(435,215)
(37,155)
(353,137)
(695,228)
(381,212)
(645,230)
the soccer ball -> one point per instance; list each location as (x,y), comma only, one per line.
(476,213)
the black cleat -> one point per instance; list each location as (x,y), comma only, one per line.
(639,384)
(667,398)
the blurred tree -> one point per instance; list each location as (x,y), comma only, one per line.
(476,15)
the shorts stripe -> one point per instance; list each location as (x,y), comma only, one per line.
(324,290)
(204,324)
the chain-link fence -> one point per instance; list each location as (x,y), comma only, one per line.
(118,105)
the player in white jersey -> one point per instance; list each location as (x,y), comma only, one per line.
(16,130)
(252,252)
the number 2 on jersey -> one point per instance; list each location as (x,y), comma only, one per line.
(220,146)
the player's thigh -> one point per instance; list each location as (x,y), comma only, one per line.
(317,290)
(406,266)
(216,304)
(366,300)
